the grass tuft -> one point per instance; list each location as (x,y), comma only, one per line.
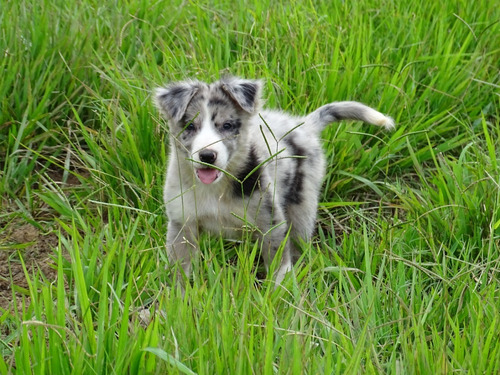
(403,275)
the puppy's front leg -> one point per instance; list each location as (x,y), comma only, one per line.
(181,245)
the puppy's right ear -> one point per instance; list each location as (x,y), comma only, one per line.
(246,93)
(174,99)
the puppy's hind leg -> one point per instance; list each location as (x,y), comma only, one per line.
(271,242)
(302,221)
(271,248)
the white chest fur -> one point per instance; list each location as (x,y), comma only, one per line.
(216,213)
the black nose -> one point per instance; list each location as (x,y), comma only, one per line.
(208,156)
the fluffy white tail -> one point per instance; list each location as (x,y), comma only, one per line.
(338,111)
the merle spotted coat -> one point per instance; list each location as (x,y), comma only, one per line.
(234,166)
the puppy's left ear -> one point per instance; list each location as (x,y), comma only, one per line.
(246,93)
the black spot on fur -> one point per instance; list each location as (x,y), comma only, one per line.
(249,180)
(236,123)
(328,111)
(296,183)
(249,92)
(236,126)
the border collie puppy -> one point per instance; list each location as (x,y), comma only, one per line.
(235,166)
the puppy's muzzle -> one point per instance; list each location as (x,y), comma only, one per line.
(205,174)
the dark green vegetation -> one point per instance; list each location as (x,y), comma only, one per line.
(403,275)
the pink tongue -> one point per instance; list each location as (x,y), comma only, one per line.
(207,175)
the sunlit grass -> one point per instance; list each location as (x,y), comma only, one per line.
(403,274)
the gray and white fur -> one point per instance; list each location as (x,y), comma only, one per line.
(235,166)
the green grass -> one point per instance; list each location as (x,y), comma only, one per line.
(403,276)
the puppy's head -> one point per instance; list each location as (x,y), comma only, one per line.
(209,122)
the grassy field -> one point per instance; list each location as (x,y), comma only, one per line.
(403,275)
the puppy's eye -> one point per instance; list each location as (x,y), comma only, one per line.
(189,127)
(227,126)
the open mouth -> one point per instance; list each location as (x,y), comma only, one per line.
(208,175)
